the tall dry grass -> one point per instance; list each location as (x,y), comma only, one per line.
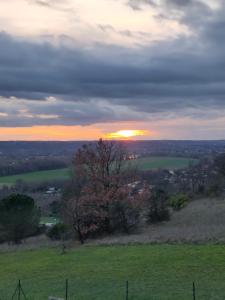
(201,221)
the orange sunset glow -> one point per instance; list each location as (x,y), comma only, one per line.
(125,134)
(50,133)
(63,133)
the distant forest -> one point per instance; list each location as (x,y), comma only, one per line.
(164,147)
(23,157)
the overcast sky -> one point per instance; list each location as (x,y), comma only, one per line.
(77,69)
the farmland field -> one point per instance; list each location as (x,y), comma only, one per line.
(36,176)
(146,163)
(156,162)
(159,272)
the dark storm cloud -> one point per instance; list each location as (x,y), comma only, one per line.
(16,112)
(97,84)
(196,15)
(192,13)
(34,70)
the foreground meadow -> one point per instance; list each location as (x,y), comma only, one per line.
(160,272)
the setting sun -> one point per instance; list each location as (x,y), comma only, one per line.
(125,134)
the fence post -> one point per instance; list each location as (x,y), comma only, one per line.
(193,290)
(127,290)
(19,290)
(66,296)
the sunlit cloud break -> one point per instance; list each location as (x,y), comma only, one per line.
(125,134)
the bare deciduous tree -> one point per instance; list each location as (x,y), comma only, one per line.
(99,190)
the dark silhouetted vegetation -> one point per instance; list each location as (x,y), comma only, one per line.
(57,232)
(157,208)
(19,217)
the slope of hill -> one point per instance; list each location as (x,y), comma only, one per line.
(202,221)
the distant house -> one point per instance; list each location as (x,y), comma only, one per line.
(51,191)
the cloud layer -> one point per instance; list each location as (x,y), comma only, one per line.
(64,81)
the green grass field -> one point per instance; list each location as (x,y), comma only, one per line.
(156,162)
(159,272)
(36,176)
(143,163)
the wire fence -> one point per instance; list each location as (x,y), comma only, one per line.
(107,290)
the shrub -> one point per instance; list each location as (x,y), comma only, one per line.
(178,201)
(157,210)
(125,212)
(55,208)
(214,190)
(57,232)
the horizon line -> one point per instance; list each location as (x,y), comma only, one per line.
(121,140)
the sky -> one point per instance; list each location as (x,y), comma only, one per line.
(85,69)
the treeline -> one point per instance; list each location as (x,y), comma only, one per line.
(10,166)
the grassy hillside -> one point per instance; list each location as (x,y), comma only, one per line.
(201,221)
(143,163)
(159,272)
